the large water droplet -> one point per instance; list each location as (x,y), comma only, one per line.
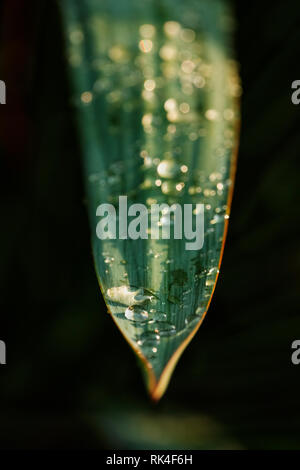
(136,313)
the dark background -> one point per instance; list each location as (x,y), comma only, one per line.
(71,381)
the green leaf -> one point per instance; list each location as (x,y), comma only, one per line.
(156,91)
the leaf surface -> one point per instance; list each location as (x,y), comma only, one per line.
(156,92)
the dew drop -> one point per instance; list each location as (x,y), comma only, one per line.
(150,336)
(191,318)
(172,28)
(86,97)
(211,114)
(145,45)
(163,329)
(199,311)
(136,313)
(187,35)
(170,105)
(168,52)
(168,187)
(158,316)
(187,66)
(184,168)
(147,30)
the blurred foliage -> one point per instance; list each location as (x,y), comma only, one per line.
(70,381)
